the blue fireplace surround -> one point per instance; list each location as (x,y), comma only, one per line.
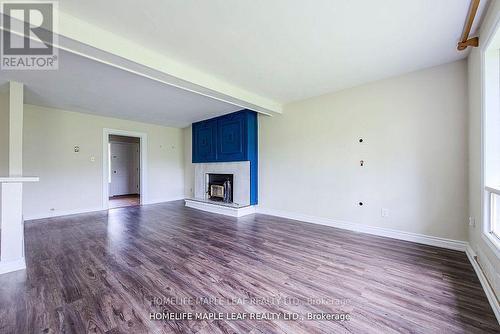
(229,138)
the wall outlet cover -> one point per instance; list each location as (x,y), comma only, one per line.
(384,212)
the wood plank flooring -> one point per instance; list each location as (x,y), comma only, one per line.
(123,201)
(105,272)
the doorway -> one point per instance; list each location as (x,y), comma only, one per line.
(124,171)
(124,168)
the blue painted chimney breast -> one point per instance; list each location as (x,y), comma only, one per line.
(229,138)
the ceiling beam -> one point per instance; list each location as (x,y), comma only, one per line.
(84,39)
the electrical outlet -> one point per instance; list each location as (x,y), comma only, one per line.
(384,212)
(472,221)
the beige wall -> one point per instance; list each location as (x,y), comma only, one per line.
(415,151)
(4,133)
(490,262)
(71,182)
(16,106)
(189,170)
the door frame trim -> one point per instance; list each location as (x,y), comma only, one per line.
(143,144)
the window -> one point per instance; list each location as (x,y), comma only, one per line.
(491,138)
(494,211)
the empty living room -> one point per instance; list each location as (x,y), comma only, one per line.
(250,166)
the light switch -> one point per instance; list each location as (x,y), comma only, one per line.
(92,159)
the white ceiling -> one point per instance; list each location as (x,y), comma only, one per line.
(84,85)
(288,50)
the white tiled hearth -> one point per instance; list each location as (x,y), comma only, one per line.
(241,188)
(228,209)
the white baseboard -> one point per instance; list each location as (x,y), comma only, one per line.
(379,231)
(53,214)
(164,200)
(10,266)
(220,209)
(490,294)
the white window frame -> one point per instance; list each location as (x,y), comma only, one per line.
(490,193)
(488,38)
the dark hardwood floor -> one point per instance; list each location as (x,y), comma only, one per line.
(106,272)
(123,201)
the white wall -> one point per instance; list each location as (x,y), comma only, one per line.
(189,170)
(488,257)
(71,182)
(415,151)
(16,106)
(4,133)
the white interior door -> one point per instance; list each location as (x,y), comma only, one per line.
(124,169)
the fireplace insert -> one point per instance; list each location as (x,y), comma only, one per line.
(220,187)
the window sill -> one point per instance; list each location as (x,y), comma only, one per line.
(493,243)
(494,190)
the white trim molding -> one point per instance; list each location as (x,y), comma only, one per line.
(19,179)
(379,231)
(90,210)
(10,266)
(143,163)
(488,290)
(54,214)
(164,200)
